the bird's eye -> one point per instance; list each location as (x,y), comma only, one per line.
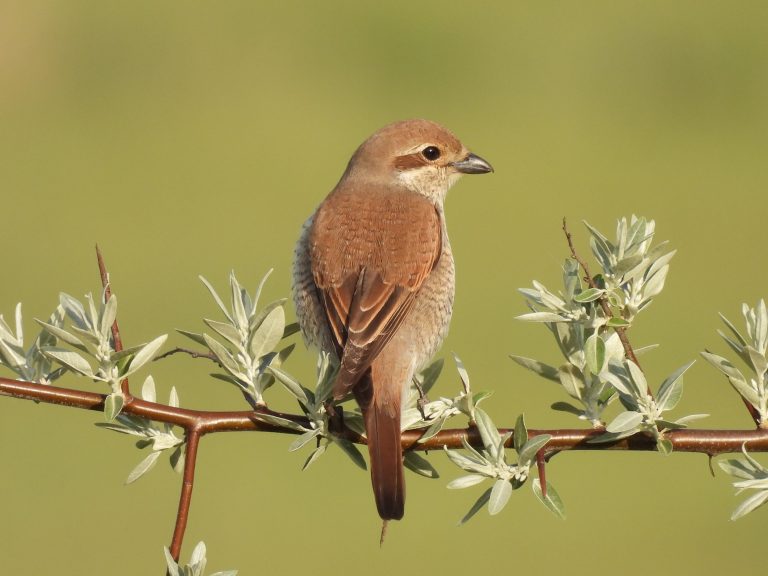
(431,153)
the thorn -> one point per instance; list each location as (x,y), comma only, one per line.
(541,467)
(709,461)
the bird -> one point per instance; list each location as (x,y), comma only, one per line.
(373,280)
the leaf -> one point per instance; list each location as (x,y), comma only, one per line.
(312,458)
(750,504)
(542,317)
(690,418)
(143,467)
(737,468)
(612,436)
(198,554)
(462,372)
(617,322)
(758,361)
(178,458)
(257,294)
(471,463)
(420,465)
(735,377)
(113,404)
(521,434)
(146,354)
(269,332)
(350,450)
(543,370)
(466,481)
(430,374)
(565,407)
(148,390)
(733,329)
(293,386)
(302,440)
(488,432)
(638,380)
(572,380)
(531,448)
(63,335)
(226,331)
(552,501)
(624,422)
(108,315)
(476,507)
(664,446)
(238,306)
(433,429)
(70,359)
(12,355)
(290,329)
(74,309)
(671,390)
(216,298)
(594,353)
(225,358)
(277,421)
(588,295)
(173,568)
(500,493)
(192,335)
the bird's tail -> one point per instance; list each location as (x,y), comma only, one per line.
(382,426)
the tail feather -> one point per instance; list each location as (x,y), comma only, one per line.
(382,426)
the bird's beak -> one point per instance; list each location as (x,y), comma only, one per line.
(472,164)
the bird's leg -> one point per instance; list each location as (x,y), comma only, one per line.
(422,401)
(335,417)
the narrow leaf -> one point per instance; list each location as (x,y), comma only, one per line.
(143,467)
(543,370)
(500,493)
(216,298)
(420,465)
(477,506)
(70,359)
(624,422)
(269,333)
(588,295)
(552,501)
(542,317)
(594,353)
(146,353)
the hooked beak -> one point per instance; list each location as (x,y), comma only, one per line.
(472,164)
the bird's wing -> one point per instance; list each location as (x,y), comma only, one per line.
(371,253)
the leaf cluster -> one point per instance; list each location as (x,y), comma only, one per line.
(246,339)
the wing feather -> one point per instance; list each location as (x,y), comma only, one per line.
(372,251)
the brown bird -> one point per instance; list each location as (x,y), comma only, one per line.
(373,279)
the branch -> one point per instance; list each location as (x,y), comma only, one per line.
(710,442)
(185,499)
(193,353)
(622,332)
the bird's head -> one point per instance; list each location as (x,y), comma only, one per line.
(417,154)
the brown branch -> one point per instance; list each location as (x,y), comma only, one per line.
(622,332)
(710,442)
(193,353)
(185,499)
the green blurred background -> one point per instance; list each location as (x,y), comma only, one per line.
(194,138)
